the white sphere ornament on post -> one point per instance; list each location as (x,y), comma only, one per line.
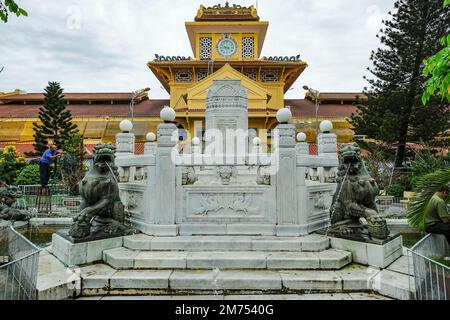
(284,115)
(168,114)
(257,141)
(151,137)
(301,137)
(126,126)
(196,141)
(326,126)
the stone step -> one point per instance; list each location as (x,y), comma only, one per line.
(310,243)
(104,280)
(123,258)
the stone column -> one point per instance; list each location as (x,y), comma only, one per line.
(165,176)
(150,146)
(327,144)
(302,147)
(286,180)
(327,147)
(125,144)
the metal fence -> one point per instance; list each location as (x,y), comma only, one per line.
(61,201)
(432,278)
(18,266)
(392,205)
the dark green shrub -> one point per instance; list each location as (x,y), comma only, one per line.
(28,176)
(395,190)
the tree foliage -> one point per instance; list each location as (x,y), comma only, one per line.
(437,68)
(10,164)
(28,176)
(427,186)
(55,120)
(72,165)
(10,6)
(393,112)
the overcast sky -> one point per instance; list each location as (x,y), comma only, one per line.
(104,45)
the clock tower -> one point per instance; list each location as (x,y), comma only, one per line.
(227,41)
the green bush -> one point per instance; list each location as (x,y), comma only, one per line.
(395,190)
(28,176)
(425,163)
(10,164)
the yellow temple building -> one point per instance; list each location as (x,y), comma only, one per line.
(226,42)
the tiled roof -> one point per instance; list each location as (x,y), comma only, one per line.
(306,109)
(338,96)
(71,96)
(147,108)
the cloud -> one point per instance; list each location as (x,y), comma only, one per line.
(104,45)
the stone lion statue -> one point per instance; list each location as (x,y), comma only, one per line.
(355,198)
(9,196)
(102,213)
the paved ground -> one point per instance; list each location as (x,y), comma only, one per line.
(336,296)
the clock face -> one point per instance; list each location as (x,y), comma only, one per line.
(227,47)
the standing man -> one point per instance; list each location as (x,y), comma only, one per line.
(437,219)
(45,163)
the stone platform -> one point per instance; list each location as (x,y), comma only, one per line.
(178,266)
(373,253)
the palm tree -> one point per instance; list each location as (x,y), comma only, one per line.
(428,186)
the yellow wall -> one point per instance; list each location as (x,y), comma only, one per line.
(198,101)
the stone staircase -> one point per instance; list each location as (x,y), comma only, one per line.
(147,265)
(226,253)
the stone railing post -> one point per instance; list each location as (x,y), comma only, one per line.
(166,172)
(125,146)
(286,179)
(125,140)
(302,147)
(150,146)
(327,146)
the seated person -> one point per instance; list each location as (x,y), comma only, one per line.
(437,218)
(45,163)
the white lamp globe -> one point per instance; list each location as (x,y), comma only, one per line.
(151,137)
(196,141)
(126,126)
(256,141)
(326,126)
(301,137)
(168,114)
(284,115)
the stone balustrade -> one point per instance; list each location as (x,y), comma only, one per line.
(294,188)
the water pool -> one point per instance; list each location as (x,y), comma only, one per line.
(41,236)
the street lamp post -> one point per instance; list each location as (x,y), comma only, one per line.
(134,95)
(315,94)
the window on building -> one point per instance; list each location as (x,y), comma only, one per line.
(205,48)
(270,76)
(183,76)
(202,74)
(252,74)
(248,47)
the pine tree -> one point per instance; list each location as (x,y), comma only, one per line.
(55,120)
(393,112)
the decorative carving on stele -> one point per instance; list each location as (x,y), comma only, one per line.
(213,203)
(226,173)
(355,199)
(188,176)
(262,176)
(102,213)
